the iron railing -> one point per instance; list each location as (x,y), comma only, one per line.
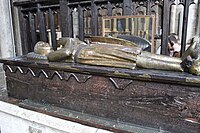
(40,19)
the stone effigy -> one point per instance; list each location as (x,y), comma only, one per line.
(112,52)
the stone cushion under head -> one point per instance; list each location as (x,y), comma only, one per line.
(141,42)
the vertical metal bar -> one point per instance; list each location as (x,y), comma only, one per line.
(185,24)
(53,29)
(103,26)
(153,49)
(21,22)
(134,8)
(148,7)
(165,27)
(127,7)
(32,30)
(198,20)
(66,19)
(70,22)
(109,7)
(81,22)
(94,18)
(24,32)
(42,27)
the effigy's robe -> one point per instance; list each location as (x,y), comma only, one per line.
(114,55)
(111,55)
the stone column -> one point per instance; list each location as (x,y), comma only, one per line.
(16,30)
(192,21)
(173,19)
(7,48)
(198,20)
(158,28)
(179,21)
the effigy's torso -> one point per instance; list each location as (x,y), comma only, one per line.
(113,55)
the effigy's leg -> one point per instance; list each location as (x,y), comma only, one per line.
(159,62)
(161,57)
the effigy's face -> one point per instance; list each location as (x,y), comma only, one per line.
(42,48)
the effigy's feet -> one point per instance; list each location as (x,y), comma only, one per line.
(189,51)
(194,53)
(195,68)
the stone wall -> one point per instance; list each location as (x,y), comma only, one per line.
(7,48)
(2,77)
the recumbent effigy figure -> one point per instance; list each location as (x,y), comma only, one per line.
(113,52)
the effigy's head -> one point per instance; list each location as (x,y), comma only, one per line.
(42,48)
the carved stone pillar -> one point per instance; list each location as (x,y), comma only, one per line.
(16,30)
(7,48)
(192,20)
(173,19)
(198,20)
(75,23)
(179,20)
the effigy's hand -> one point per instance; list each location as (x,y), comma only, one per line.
(59,55)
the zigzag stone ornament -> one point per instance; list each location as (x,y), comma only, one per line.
(80,78)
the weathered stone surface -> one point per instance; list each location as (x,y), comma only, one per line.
(7,47)
(2,77)
(18,120)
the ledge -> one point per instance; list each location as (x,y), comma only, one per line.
(140,74)
(31,119)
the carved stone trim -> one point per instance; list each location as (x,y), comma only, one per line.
(121,84)
(80,78)
(118,83)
